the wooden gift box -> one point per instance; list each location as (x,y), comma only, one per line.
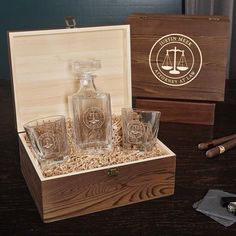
(42,82)
(179,65)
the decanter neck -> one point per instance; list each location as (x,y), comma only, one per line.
(87,82)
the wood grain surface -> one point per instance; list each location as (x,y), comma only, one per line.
(95,191)
(210,34)
(172,215)
(41,68)
(31,177)
(180,111)
(83,193)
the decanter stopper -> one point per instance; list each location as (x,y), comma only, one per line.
(81,68)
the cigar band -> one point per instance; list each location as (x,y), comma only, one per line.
(222,149)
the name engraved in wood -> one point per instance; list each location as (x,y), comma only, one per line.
(175,59)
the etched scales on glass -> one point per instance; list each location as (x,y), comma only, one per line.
(91,109)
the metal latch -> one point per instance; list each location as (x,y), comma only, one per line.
(113,172)
(214,18)
(70,21)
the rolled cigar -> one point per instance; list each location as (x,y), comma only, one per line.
(215,142)
(221,148)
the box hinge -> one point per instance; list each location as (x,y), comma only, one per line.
(70,21)
(113,172)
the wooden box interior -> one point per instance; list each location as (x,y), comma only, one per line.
(22,138)
(42,81)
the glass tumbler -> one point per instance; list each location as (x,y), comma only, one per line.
(139,128)
(48,139)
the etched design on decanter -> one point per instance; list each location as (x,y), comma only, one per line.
(91,109)
(94,117)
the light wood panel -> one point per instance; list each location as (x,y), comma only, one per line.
(42,76)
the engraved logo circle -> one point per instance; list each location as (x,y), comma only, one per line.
(135,131)
(48,141)
(94,118)
(175,59)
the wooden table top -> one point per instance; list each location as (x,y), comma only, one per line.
(173,215)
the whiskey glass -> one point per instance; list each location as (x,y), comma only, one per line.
(48,139)
(139,128)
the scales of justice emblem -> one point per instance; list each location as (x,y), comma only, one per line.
(94,117)
(49,138)
(175,59)
(175,68)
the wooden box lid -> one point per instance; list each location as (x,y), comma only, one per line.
(41,72)
(179,57)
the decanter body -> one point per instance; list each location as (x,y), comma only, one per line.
(92,115)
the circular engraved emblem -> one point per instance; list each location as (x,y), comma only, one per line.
(94,117)
(135,131)
(175,59)
(48,141)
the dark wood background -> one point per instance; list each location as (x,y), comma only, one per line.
(212,37)
(173,215)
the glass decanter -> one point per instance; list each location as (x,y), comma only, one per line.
(91,109)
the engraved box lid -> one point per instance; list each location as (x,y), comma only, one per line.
(41,73)
(179,56)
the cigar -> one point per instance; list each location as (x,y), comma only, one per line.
(221,148)
(215,142)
